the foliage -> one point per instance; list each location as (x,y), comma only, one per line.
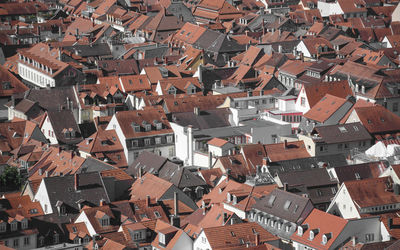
(10,177)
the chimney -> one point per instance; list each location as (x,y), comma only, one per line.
(190,145)
(354,240)
(196,111)
(258,169)
(175,221)
(285,145)
(147,200)
(209,160)
(102,202)
(280,48)
(257,235)
(140,172)
(286,186)
(176,208)
(265,161)
(59,31)
(17,31)
(76,182)
(40,171)
(390,222)
(225,219)
(46,173)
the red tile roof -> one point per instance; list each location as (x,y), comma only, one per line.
(293,150)
(325,224)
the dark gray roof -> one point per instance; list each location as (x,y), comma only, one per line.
(307,163)
(349,132)
(310,177)
(64,120)
(180,176)
(52,99)
(360,171)
(94,165)
(61,188)
(149,162)
(214,41)
(274,204)
(95,50)
(206,118)
(180,10)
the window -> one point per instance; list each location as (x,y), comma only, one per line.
(158,140)
(303,101)
(56,238)
(161,238)
(203,240)
(333,190)
(340,146)
(3,227)
(135,155)
(157,214)
(16,242)
(395,107)
(105,222)
(169,138)
(24,224)
(26,241)
(369,237)
(135,143)
(147,142)
(14,226)
(299,231)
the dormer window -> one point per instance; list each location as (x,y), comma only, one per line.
(228,197)
(172,90)
(161,238)
(313,233)
(325,238)
(234,200)
(147,126)
(135,127)
(158,125)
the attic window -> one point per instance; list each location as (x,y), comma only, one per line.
(287,205)
(136,127)
(357,176)
(369,121)
(355,128)
(233,234)
(343,129)
(271,200)
(382,119)
(130,82)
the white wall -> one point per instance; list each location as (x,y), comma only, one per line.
(198,243)
(46,127)
(298,105)
(343,203)
(29,74)
(42,196)
(113,124)
(327,9)
(181,141)
(83,218)
(301,47)
(183,243)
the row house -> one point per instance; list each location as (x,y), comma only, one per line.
(281,212)
(40,66)
(144,130)
(333,139)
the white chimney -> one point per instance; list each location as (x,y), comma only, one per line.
(190,145)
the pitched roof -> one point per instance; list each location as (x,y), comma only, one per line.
(327,224)
(316,91)
(288,151)
(326,107)
(149,185)
(378,119)
(359,171)
(341,133)
(363,195)
(236,235)
(150,115)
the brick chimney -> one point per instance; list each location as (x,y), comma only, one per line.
(176,208)
(76,182)
(285,145)
(148,201)
(257,236)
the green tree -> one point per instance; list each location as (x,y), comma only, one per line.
(10,177)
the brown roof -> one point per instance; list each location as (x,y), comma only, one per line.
(149,185)
(372,192)
(149,115)
(292,150)
(325,108)
(378,119)
(326,224)
(230,235)
(316,91)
